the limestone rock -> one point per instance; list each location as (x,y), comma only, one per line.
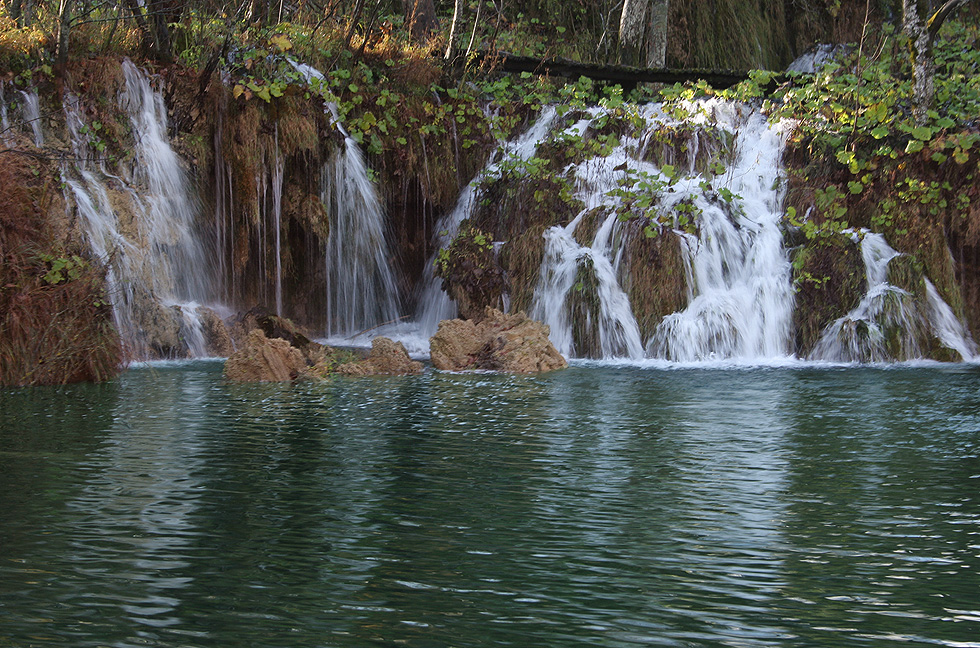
(512,343)
(265,360)
(387,358)
(217,338)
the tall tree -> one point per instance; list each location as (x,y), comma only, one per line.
(420,18)
(453,28)
(921,26)
(643,33)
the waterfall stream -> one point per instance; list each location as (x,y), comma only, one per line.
(361,287)
(434,304)
(143,224)
(737,270)
(890,322)
(362,292)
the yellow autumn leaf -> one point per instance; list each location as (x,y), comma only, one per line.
(282,42)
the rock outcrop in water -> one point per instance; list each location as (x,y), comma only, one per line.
(387,358)
(511,343)
(265,359)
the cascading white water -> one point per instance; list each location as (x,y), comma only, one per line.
(31,111)
(362,292)
(740,294)
(566,259)
(4,114)
(890,323)
(158,272)
(27,103)
(361,287)
(434,304)
(740,271)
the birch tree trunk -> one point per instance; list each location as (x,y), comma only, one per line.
(921,26)
(643,33)
(451,46)
(923,66)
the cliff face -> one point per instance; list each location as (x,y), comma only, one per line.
(594,219)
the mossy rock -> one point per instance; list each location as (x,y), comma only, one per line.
(830,280)
(652,274)
(905,272)
(585,311)
(521,259)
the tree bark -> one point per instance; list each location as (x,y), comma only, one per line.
(420,18)
(921,31)
(643,33)
(64,28)
(923,66)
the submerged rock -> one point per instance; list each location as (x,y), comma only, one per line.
(500,342)
(262,359)
(387,358)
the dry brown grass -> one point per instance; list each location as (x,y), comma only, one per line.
(54,329)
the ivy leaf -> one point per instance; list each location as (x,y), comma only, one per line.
(914,146)
(879,132)
(923,133)
(282,42)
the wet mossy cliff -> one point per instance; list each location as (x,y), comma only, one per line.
(256,146)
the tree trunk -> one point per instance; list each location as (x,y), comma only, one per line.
(64,28)
(450,47)
(921,29)
(923,66)
(420,18)
(643,33)
(160,12)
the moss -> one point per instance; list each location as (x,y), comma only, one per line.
(589,225)
(585,310)
(906,272)
(652,274)
(470,272)
(521,258)
(830,281)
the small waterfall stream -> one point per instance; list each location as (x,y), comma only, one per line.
(890,322)
(143,225)
(362,292)
(361,287)
(434,304)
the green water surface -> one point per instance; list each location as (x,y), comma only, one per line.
(597,506)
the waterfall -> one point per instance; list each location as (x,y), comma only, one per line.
(434,304)
(738,274)
(29,106)
(31,111)
(142,224)
(742,297)
(362,292)
(891,323)
(361,287)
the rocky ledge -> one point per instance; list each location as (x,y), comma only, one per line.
(499,342)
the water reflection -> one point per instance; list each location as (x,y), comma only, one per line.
(590,507)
